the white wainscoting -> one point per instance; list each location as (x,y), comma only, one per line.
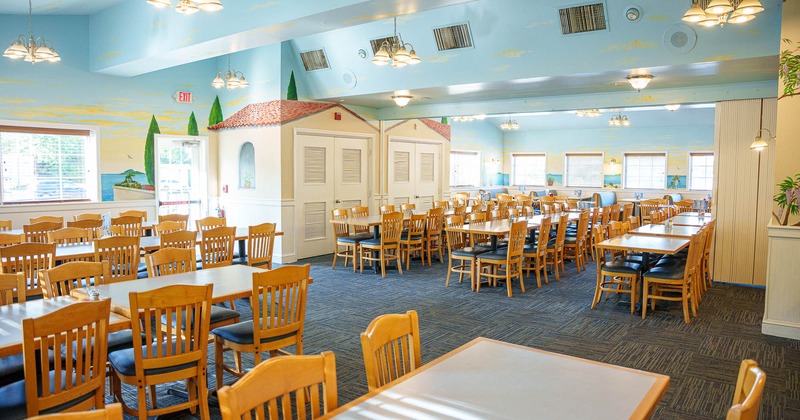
(782,303)
(254,211)
(20,214)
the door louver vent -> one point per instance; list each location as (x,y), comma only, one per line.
(453,37)
(314,60)
(377,42)
(578,19)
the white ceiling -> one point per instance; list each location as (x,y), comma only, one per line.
(57,7)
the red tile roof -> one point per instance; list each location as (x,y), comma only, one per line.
(275,113)
(442,129)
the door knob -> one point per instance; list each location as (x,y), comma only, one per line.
(338,201)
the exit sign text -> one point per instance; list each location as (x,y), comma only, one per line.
(183,97)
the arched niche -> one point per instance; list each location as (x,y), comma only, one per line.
(247,166)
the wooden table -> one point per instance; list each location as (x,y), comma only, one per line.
(492,379)
(231,282)
(661,230)
(11,317)
(502,227)
(682,220)
(694,213)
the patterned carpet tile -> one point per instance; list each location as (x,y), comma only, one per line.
(734,349)
(649,357)
(702,397)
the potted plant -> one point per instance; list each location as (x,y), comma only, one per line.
(787,199)
(550,181)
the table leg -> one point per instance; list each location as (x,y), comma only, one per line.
(242,251)
(645,267)
(494,242)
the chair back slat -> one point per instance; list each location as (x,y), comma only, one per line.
(279,299)
(37,232)
(174,218)
(391,348)
(48,219)
(260,244)
(7,239)
(87,216)
(208,223)
(5,225)
(10,287)
(216,246)
(168,226)
(122,255)
(168,261)
(60,280)
(126,226)
(28,258)
(180,239)
(360,211)
(140,214)
(70,236)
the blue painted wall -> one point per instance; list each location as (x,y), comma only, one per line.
(483,137)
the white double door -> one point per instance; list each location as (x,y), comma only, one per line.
(414,173)
(330,172)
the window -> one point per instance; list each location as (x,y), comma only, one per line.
(645,170)
(528,169)
(701,171)
(584,170)
(465,169)
(46,164)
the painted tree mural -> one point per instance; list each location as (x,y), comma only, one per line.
(215,117)
(444,120)
(291,92)
(149,151)
(192,128)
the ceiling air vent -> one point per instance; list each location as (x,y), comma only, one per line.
(314,60)
(453,37)
(588,18)
(377,42)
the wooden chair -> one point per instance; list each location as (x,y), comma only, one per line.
(387,208)
(645,208)
(633,221)
(441,204)
(96,226)
(260,243)
(49,219)
(749,388)
(627,211)
(536,254)
(684,206)
(433,234)
(180,239)
(459,250)
(216,246)
(168,227)
(510,260)
(406,207)
(555,248)
(360,211)
(575,246)
(308,381)
(10,287)
(279,308)
(412,240)
(135,213)
(174,218)
(37,232)
(391,348)
(387,247)
(165,355)
(479,240)
(5,225)
(706,276)
(70,236)
(675,279)
(168,261)
(110,412)
(207,223)
(60,280)
(615,212)
(7,239)
(346,245)
(126,226)
(87,216)
(615,275)
(122,254)
(28,258)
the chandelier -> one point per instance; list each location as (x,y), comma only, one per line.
(468,118)
(720,12)
(509,124)
(188,7)
(30,48)
(395,53)
(639,81)
(590,113)
(232,80)
(619,120)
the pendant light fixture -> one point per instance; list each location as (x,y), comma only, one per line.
(639,81)
(402,100)
(588,113)
(398,54)
(720,12)
(30,48)
(231,80)
(188,7)
(509,124)
(619,120)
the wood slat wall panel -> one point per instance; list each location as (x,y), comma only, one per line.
(740,192)
(765,192)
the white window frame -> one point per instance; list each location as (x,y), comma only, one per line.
(480,166)
(641,153)
(544,175)
(601,155)
(691,168)
(92,158)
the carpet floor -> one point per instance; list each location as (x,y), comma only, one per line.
(702,358)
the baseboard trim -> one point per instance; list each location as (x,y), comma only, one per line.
(781,329)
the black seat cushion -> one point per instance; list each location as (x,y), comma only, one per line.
(12,367)
(353,239)
(13,403)
(372,241)
(573,240)
(499,255)
(404,237)
(218,314)
(666,272)
(623,267)
(242,333)
(469,251)
(124,362)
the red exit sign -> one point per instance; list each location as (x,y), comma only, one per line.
(183,97)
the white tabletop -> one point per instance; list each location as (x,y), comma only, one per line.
(487,379)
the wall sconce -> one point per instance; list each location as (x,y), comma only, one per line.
(759,143)
(613,162)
